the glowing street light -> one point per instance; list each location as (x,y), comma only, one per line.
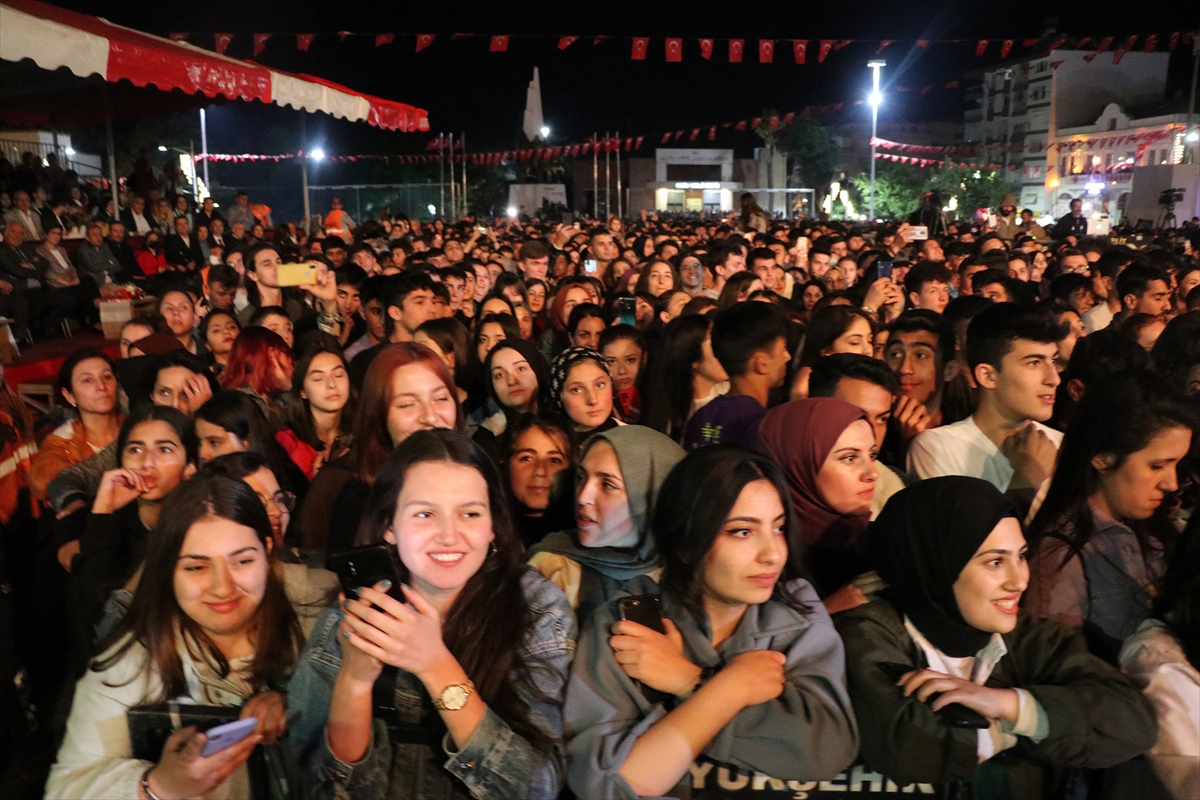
(162,148)
(545,131)
(317,154)
(875,99)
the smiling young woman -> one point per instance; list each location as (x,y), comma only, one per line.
(484,639)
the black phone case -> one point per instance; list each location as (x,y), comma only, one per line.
(956,714)
(366,566)
(644,609)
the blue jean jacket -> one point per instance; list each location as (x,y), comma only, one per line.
(494,764)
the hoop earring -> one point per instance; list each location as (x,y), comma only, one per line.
(492,550)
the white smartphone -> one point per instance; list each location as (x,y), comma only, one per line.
(589,265)
(225,736)
(920,232)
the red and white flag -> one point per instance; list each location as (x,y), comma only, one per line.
(384,38)
(766,50)
(800,49)
(424,40)
(706,46)
(499,44)
(223,40)
(566,41)
(640,44)
(735,50)
(674,50)
(303,40)
(823,49)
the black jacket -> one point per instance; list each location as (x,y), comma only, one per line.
(1069,225)
(180,253)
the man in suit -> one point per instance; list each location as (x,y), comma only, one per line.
(53,216)
(23,296)
(182,249)
(123,253)
(23,214)
(137,222)
(207,215)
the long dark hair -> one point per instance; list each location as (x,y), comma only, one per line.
(824,328)
(692,506)
(1118,416)
(1178,603)
(667,380)
(488,623)
(155,612)
(297,414)
(179,422)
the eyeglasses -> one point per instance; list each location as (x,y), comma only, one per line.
(285,500)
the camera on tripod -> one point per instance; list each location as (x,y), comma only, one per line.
(1171,196)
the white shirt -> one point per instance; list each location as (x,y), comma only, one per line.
(140,223)
(1032,721)
(962,449)
(1097,318)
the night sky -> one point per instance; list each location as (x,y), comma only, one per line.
(587,87)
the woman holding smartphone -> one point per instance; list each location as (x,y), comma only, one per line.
(749,674)
(210,624)
(478,649)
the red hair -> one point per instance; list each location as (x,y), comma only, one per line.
(372,442)
(250,362)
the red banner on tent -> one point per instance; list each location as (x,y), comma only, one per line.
(640,44)
(675,50)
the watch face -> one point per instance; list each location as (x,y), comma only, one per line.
(454,697)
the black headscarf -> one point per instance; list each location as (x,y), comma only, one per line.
(920,543)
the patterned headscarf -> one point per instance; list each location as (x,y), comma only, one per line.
(561,368)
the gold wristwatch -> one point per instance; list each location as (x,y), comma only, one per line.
(454,697)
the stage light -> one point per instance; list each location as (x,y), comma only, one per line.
(317,154)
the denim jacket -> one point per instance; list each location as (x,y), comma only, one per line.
(495,763)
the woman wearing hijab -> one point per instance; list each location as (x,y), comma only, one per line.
(582,389)
(619,475)
(517,379)
(826,448)
(953,554)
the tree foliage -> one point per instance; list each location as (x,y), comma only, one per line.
(897,189)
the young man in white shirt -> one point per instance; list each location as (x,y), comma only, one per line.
(1011,351)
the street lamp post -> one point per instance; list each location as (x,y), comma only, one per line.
(875,99)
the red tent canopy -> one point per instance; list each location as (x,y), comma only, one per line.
(56,39)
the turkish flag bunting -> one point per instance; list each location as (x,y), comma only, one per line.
(981,46)
(600,39)
(773,122)
(639,48)
(223,40)
(712,133)
(303,40)
(706,46)
(1057,43)
(754,123)
(800,49)
(952,84)
(735,50)
(557,151)
(1082,43)
(499,44)
(1104,43)
(823,49)
(788,117)
(260,42)
(678,134)
(922,43)
(674,50)
(741,126)
(695,133)
(1027,43)
(766,50)
(566,41)
(637,143)
(1129,42)
(343,34)
(1174,42)
(628,144)
(1056,64)
(883,45)
(182,37)
(842,43)
(925,89)
(1151,43)
(384,38)
(666,138)
(423,41)
(1004,48)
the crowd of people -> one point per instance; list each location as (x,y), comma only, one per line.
(672,507)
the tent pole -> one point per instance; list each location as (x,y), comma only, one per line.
(204,150)
(462,137)
(303,169)
(112,157)
(618,160)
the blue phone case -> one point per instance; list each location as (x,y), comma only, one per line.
(227,735)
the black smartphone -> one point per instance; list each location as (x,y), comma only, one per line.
(627,310)
(366,566)
(644,609)
(956,714)
(885,269)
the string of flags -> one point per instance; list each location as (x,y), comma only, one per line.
(1099,142)
(735,50)
(930,162)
